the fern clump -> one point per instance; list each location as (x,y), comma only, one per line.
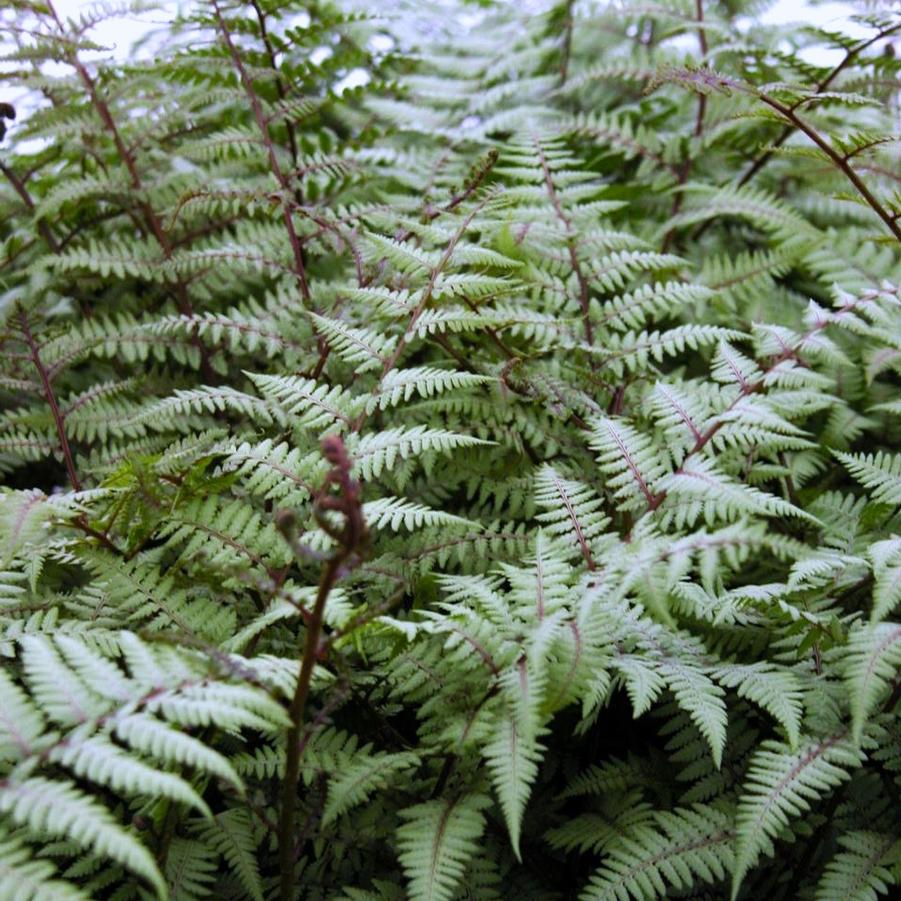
(479,482)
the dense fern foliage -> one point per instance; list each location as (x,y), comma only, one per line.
(482,482)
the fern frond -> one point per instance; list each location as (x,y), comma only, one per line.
(873,656)
(886,558)
(402,384)
(634,309)
(394,513)
(364,347)
(437,841)
(101,762)
(23,877)
(863,870)
(380,451)
(513,753)
(190,869)
(59,809)
(780,784)
(232,835)
(697,490)
(570,508)
(777,692)
(677,848)
(305,403)
(365,774)
(879,473)
(633,465)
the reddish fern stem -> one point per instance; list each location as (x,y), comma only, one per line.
(50,397)
(281,178)
(577,526)
(296,713)
(128,159)
(279,84)
(788,112)
(391,361)
(685,169)
(350,540)
(469,189)
(22,191)
(82,523)
(702,98)
(570,244)
(566,50)
(849,57)
(59,421)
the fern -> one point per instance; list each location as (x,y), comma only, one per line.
(438,465)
